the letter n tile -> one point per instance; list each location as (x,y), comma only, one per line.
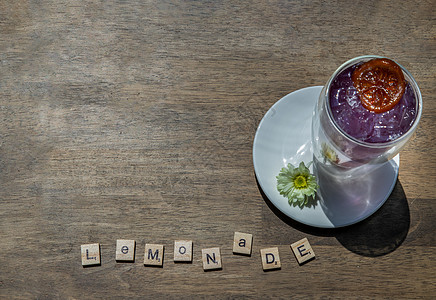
(211,259)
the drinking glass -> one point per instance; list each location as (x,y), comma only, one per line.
(342,161)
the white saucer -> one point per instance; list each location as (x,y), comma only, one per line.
(284,136)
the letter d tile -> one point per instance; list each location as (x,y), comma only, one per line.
(270,258)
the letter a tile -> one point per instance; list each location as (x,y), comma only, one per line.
(302,251)
(270,259)
(211,259)
(125,250)
(242,243)
(154,255)
(90,254)
(183,251)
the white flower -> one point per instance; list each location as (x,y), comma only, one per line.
(329,154)
(297,184)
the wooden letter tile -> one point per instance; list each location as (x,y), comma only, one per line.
(90,254)
(302,251)
(242,243)
(154,255)
(125,250)
(211,259)
(270,258)
(183,251)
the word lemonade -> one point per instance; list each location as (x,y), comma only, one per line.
(183,249)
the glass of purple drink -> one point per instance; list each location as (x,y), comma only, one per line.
(354,149)
(346,135)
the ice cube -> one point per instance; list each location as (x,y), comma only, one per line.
(352,97)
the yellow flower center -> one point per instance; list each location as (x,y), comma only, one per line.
(300,182)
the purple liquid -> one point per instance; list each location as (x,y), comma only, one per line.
(362,124)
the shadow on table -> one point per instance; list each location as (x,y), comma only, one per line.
(377,235)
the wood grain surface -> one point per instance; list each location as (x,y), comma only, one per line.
(135,120)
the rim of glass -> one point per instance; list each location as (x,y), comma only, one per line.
(409,78)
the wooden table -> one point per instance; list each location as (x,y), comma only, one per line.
(135,120)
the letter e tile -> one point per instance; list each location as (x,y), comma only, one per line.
(242,243)
(211,259)
(303,251)
(90,254)
(270,258)
(154,255)
(125,250)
